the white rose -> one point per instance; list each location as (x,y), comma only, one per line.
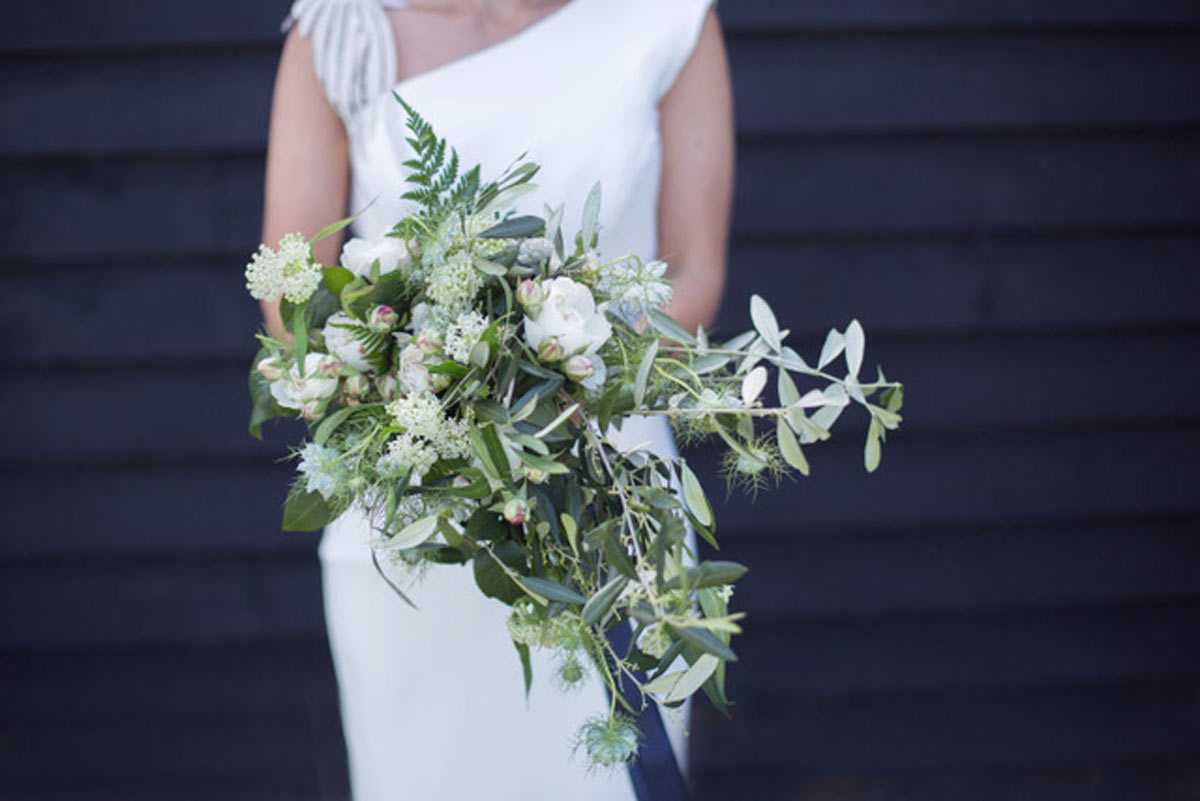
(569,315)
(305,390)
(359,254)
(342,343)
(414,376)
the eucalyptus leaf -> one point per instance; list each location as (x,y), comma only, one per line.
(788,394)
(514,228)
(753,384)
(855,343)
(790,448)
(691,679)
(665,325)
(834,343)
(598,605)
(591,216)
(872,452)
(764,322)
(643,373)
(706,641)
(552,590)
(693,495)
(414,533)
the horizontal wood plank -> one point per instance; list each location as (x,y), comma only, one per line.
(205,101)
(818,188)
(954,385)
(186,311)
(1091,780)
(952,731)
(141,603)
(127,24)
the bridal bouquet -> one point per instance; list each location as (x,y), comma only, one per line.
(460,378)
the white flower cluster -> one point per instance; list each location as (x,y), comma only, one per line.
(463,334)
(426,436)
(323,469)
(633,286)
(455,282)
(288,272)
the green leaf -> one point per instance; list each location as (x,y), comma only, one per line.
(688,681)
(663,324)
(790,448)
(855,343)
(481,354)
(544,463)
(598,605)
(333,228)
(330,424)
(514,228)
(872,453)
(707,364)
(489,267)
(706,641)
(834,343)
(709,574)
(414,533)
(300,334)
(552,590)
(764,322)
(336,278)
(493,580)
(643,373)
(591,216)
(693,495)
(788,394)
(306,511)
(488,409)
(526,666)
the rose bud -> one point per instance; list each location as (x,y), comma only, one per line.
(387,386)
(382,318)
(356,385)
(312,410)
(551,350)
(515,511)
(579,368)
(330,367)
(430,342)
(531,295)
(270,368)
(536,476)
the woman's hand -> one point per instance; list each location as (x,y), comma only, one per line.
(308,162)
(696,123)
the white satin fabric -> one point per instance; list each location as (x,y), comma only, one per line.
(432,701)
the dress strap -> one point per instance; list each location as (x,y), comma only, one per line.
(354,50)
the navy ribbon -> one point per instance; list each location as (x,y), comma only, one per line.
(655,774)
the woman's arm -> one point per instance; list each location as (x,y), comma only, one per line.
(696,122)
(308,162)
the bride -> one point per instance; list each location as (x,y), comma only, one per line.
(629,92)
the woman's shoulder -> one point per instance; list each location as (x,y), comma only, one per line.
(353,49)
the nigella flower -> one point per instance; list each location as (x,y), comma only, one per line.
(633,286)
(323,469)
(289,272)
(608,742)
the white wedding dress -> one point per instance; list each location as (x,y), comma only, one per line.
(432,702)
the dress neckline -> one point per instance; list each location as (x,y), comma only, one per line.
(533,28)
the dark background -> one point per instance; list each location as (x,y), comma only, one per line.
(1007,194)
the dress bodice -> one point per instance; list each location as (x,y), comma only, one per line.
(577,92)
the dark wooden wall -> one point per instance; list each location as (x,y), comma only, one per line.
(1007,194)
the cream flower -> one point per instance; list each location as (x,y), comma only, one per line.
(359,254)
(341,341)
(305,390)
(569,315)
(413,375)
